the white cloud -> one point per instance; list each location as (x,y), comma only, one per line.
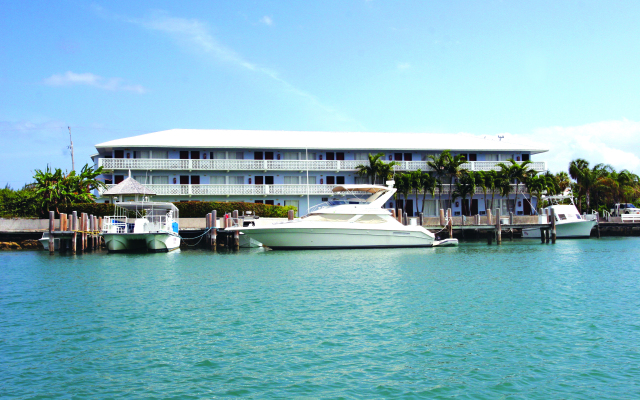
(196,35)
(89,79)
(610,142)
(267,20)
(403,66)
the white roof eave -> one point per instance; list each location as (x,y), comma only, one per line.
(300,140)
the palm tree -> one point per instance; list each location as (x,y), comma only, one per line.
(503,184)
(386,170)
(491,180)
(481,180)
(416,185)
(403,185)
(438,164)
(586,178)
(563,181)
(428,184)
(372,170)
(518,172)
(453,170)
(465,186)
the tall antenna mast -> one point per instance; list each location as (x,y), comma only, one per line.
(73,164)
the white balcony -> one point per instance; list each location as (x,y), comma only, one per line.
(263,190)
(149,164)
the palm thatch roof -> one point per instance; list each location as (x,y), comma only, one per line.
(128,187)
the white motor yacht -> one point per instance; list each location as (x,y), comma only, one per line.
(355,222)
(569,222)
(140,225)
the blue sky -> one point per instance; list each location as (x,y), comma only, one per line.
(562,74)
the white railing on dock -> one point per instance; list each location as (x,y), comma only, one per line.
(278,165)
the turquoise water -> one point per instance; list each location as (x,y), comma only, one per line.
(520,321)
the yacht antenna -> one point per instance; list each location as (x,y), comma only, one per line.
(73,165)
(500,137)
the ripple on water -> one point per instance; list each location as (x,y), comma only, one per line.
(522,320)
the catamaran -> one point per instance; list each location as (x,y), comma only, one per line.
(139,224)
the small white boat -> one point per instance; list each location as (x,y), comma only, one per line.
(44,240)
(450,242)
(348,223)
(569,222)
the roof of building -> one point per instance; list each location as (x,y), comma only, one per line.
(128,187)
(300,140)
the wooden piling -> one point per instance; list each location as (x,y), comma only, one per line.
(236,234)
(442,219)
(490,236)
(421,219)
(450,222)
(510,218)
(52,216)
(405,219)
(498,227)
(399,218)
(553,226)
(74,228)
(542,234)
(290,215)
(547,235)
(489,217)
(214,229)
(92,235)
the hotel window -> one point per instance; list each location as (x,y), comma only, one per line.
(160,180)
(217,180)
(312,180)
(408,157)
(361,180)
(331,180)
(143,179)
(118,154)
(184,179)
(473,157)
(160,154)
(258,155)
(340,180)
(525,157)
(331,156)
(268,155)
(195,155)
(491,157)
(291,155)
(236,180)
(195,179)
(361,156)
(340,156)
(118,178)
(291,180)
(184,155)
(270,202)
(218,155)
(141,154)
(311,155)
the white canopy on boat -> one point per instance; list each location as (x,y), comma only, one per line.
(360,188)
(129,187)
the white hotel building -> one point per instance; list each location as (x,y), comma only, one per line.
(272,166)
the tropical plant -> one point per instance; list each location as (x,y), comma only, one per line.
(372,169)
(55,188)
(517,172)
(465,186)
(586,178)
(453,170)
(403,185)
(438,165)
(428,184)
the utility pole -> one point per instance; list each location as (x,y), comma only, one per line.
(73,165)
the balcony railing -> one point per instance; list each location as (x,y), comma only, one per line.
(265,190)
(277,165)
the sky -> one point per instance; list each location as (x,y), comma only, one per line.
(561,74)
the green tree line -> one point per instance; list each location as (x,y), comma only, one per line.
(595,188)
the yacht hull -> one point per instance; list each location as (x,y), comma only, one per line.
(337,238)
(153,242)
(568,230)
